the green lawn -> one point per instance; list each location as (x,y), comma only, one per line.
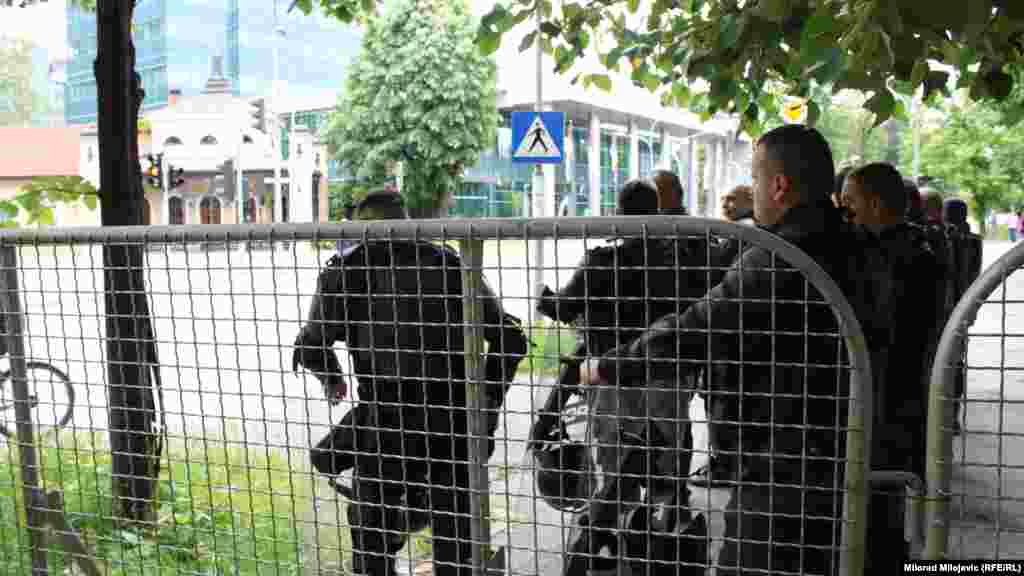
(551,341)
(222,510)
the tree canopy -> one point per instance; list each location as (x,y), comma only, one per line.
(419,93)
(729,55)
(976,153)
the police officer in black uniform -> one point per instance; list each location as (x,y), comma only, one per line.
(397,305)
(876,199)
(965,269)
(616,292)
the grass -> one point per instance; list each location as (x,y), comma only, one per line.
(222,509)
(551,341)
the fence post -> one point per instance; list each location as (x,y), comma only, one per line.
(11,303)
(473,337)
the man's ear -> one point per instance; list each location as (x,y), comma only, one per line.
(876,204)
(781,187)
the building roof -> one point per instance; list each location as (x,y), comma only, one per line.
(30,152)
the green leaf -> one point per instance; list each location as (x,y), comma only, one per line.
(821,23)
(563,58)
(614,56)
(602,81)
(45,216)
(651,82)
(950,53)
(882,105)
(728,33)
(527,41)
(919,74)
(832,67)
(491,20)
(549,28)
(681,93)
(813,113)
(571,10)
(632,6)
(773,10)
(979,12)
(488,42)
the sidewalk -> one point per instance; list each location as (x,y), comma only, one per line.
(987,506)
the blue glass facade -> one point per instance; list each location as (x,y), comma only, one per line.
(175,43)
(150,40)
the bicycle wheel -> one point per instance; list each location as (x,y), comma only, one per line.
(51,394)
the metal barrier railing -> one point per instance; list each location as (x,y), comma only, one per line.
(236,496)
(974,474)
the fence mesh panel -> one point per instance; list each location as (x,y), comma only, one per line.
(598,481)
(977,468)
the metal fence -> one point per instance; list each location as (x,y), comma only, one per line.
(237,494)
(975,474)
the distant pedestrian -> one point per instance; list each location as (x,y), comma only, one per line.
(1020,224)
(738,205)
(670,192)
(1011,226)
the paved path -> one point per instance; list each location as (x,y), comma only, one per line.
(987,509)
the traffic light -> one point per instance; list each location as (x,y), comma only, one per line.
(257,110)
(152,173)
(175,177)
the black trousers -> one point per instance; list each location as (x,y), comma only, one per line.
(781,529)
(404,480)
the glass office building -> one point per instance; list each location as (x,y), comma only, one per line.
(175,42)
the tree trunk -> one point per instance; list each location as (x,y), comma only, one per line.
(130,347)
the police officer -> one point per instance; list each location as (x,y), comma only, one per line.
(397,305)
(609,298)
(965,269)
(877,199)
(615,293)
(791,437)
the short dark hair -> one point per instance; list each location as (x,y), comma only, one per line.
(637,198)
(915,209)
(883,181)
(667,181)
(381,205)
(805,158)
(932,200)
(954,211)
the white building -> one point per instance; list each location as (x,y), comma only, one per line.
(204,136)
(619,135)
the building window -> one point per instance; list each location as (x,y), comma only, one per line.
(172,141)
(176,210)
(208,141)
(209,210)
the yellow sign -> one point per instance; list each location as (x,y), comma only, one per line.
(794,111)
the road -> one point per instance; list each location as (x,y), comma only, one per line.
(225,322)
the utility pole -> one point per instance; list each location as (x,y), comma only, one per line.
(539,188)
(275,110)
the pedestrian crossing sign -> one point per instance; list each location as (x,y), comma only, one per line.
(538,138)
